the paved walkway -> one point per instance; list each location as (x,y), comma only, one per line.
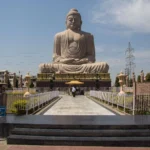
(28,147)
(4,146)
(79,105)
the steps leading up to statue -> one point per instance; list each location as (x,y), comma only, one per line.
(80,141)
(83,130)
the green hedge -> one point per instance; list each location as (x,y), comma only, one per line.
(19,107)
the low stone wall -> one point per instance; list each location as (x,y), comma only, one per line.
(3,98)
(0,130)
(142,88)
(2,126)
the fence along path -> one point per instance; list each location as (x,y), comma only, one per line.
(138,104)
(112,98)
(34,100)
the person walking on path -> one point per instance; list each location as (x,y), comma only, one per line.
(73,91)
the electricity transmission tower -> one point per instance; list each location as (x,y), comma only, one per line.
(130,65)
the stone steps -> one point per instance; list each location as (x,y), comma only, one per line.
(74,125)
(89,141)
(79,135)
(81,132)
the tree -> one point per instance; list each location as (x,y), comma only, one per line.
(117,82)
(130,83)
(139,79)
(9,84)
(51,84)
(16,83)
(148,77)
(31,85)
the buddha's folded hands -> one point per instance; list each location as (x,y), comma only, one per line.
(66,60)
(80,61)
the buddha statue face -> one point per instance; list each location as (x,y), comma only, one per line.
(73,22)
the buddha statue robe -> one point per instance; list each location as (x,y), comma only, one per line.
(71,45)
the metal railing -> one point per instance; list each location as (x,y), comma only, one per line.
(37,100)
(125,101)
(116,89)
(30,102)
(21,90)
(142,103)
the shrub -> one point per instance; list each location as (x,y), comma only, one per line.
(117,84)
(139,79)
(19,107)
(148,77)
(129,93)
(31,85)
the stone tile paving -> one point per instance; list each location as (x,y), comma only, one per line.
(79,105)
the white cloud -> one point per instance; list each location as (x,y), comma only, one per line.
(142,54)
(108,48)
(99,49)
(130,15)
(115,62)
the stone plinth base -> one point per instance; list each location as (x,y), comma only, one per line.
(49,80)
(72,76)
(62,84)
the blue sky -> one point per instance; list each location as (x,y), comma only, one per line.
(27,29)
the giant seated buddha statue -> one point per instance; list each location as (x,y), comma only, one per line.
(74,50)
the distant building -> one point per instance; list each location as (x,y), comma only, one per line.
(2,75)
(11,76)
(33,79)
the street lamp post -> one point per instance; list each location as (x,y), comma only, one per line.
(28,81)
(121,77)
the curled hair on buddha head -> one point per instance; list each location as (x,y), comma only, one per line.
(74,11)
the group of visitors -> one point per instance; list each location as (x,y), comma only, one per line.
(76,90)
(73,90)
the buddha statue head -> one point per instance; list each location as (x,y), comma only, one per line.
(73,20)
